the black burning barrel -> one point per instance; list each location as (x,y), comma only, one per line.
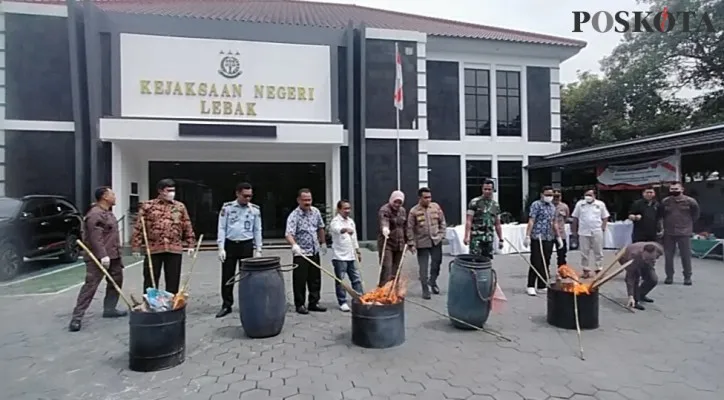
(157,340)
(561,310)
(378,326)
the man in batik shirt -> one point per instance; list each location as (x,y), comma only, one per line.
(483,221)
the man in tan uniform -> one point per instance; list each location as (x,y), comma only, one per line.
(425,231)
(100,233)
(679,213)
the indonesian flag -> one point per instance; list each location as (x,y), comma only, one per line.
(399,96)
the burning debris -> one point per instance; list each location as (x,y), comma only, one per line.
(569,281)
(392,292)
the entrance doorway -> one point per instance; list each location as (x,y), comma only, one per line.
(205,186)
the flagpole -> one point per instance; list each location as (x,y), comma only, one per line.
(397,131)
(399,186)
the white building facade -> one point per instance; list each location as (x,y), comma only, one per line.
(125,97)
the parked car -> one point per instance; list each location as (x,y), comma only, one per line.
(37,226)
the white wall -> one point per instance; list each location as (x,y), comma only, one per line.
(131,159)
(494,148)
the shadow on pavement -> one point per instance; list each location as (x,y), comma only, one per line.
(231,332)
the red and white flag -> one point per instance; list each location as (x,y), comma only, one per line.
(399,95)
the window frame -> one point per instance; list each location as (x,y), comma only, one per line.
(476,86)
(476,181)
(507,127)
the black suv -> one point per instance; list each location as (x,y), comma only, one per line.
(37,226)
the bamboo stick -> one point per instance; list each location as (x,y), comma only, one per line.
(148,252)
(382,257)
(105,272)
(346,287)
(399,270)
(601,281)
(185,285)
(543,258)
(608,268)
(528,262)
(616,302)
(578,324)
(469,325)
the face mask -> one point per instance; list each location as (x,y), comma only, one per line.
(170,195)
(547,199)
(589,199)
(674,192)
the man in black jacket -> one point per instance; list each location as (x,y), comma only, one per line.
(644,214)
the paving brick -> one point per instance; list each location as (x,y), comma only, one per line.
(314,359)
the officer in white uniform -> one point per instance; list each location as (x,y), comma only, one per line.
(239,237)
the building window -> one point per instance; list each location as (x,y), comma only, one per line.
(477,171)
(510,189)
(508,97)
(477,102)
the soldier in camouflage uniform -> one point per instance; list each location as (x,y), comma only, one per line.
(483,220)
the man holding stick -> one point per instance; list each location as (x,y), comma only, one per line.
(542,229)
(641,277)
(168,230)
(391,236)
(100,232)
(305,233)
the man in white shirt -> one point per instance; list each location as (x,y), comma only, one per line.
(590,217)
(345,250)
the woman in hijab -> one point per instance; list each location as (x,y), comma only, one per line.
(392,220)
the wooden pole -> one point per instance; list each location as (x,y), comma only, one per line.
(608,268)
(105,272)
(185,285)
(399,270)
(148,252)
(528,262)
(601,281)
(346,287)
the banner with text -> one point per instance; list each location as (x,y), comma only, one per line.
(193,78)
(638,176)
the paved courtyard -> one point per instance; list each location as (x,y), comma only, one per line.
(673,350)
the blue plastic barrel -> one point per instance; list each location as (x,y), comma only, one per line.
(262,297)
(470,290)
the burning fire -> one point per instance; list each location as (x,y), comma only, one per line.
(386,294)
(575,286)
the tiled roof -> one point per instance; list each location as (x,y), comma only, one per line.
(324,15)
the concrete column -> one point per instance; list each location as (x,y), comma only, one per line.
(494,173)
(2,103)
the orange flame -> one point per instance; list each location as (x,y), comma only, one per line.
(386,294)
(576,286)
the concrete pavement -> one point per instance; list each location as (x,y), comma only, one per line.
(673,350)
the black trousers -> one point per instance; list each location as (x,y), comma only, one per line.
(537,259)
(171,265)
(561,253)
(644,237)
(306,276)
(235,252)
(648,280)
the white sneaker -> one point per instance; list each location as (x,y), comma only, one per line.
(543,291)
(531,291)
(344,308)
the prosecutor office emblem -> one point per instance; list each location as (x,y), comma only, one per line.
(229,66)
